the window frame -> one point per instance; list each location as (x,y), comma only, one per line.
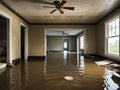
(107,36)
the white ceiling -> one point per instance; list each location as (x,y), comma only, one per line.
(86,11)
(63,32)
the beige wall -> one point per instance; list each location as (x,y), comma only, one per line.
(37,38)
(15,32)
(100,34)
(36,41)
(55,43)
(94,36)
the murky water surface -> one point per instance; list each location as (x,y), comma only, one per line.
(49,74)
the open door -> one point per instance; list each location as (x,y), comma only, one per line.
(3,39)
(66,45)
(8,50)
(22,42)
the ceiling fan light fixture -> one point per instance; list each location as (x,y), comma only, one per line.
(60,6)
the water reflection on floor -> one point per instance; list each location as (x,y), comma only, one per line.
(49,74)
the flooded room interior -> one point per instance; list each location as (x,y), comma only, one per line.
(59,44)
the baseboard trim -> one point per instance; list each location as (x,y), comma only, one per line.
(54,51)
(36,57)
(16,61)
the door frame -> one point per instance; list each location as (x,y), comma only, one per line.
(78,45)
(26,41)
(9,37)
(68,44)
(78,42)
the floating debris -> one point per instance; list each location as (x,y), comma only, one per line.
(68,78)
(113,65)
(107,63)
(103,62)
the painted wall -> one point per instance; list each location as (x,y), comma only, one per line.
(15,32)
(55,43)
(100,35)
(36,41)
(37,38)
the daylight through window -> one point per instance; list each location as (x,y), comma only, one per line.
(113,36)
(82,42)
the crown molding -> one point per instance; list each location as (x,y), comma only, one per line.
(61,24)
(8,7)
(117,8)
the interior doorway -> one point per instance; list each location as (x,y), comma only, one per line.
(66,45)
(3,39)
(9,37)
(22,42)
(82,44)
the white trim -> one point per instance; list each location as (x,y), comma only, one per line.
(9,36)
(78,45)
(84,35)
(106,53)
(26,41)
(45,42)
(85,46)
(119,34)
(83,41)
(106,44)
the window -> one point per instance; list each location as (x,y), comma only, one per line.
(113,36)
(65,44)
(82,42)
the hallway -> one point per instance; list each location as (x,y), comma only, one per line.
(48,74)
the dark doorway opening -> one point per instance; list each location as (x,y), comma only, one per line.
(66,45)
(22,42)
(3,39)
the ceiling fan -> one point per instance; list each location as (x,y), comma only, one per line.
(59,6)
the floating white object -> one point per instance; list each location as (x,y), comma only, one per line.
(107,63)
(68,78)
(2,65)
(104,62)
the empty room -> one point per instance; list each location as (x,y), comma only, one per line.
(59,44)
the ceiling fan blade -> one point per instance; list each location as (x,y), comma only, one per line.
(53,11)
(61,11)
(63,2)
(69,8)
(49,6)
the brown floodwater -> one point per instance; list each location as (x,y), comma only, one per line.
(48,74)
